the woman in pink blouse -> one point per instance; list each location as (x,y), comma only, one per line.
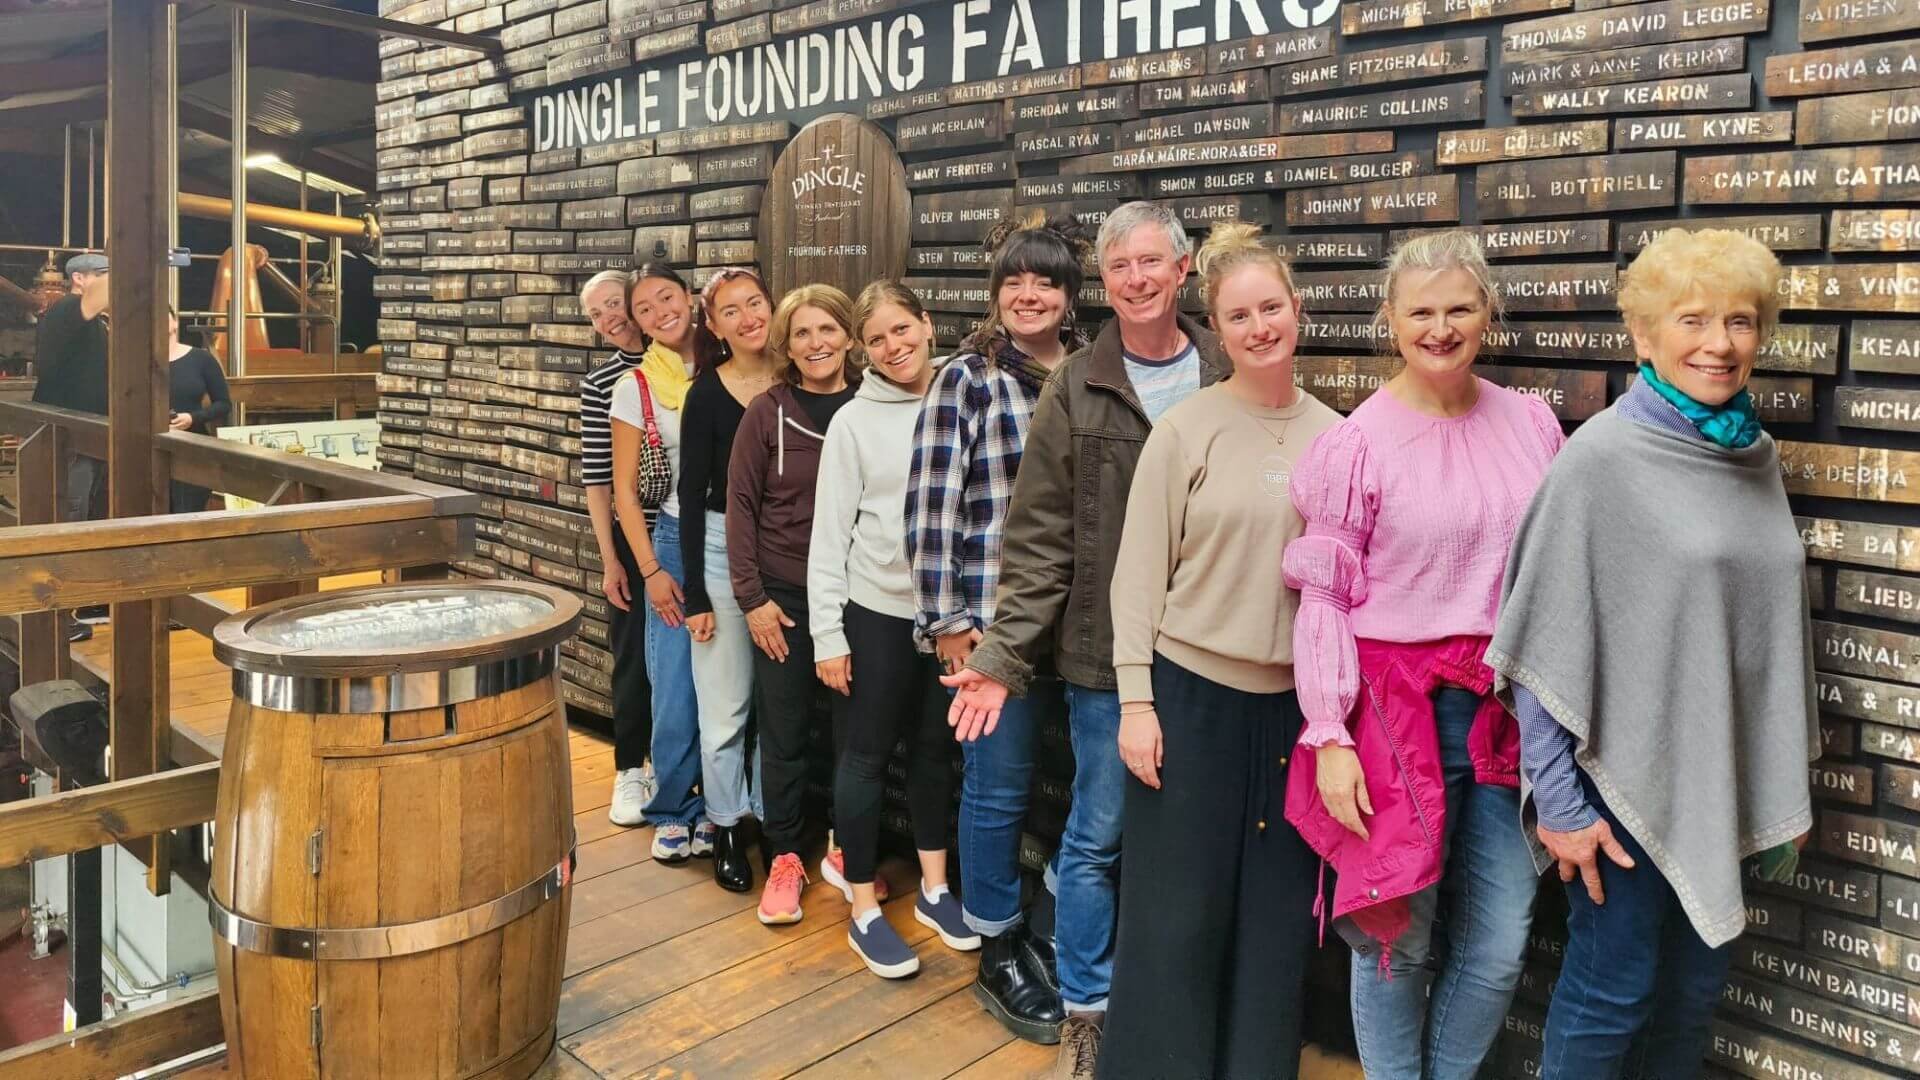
(1412,792)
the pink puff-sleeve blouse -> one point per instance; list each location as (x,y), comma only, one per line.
(1409,518)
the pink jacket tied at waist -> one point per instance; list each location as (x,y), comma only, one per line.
(1399,749)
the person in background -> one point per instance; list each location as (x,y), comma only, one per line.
(1662,533)
(1063,534)
(198,397)
(1203,655)
(647,403)
(860,588)
(603,300)
(770,501)
(735,368)
(967,448)
(70,372)
(1411,504)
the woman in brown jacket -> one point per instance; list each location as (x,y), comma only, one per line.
(770,481)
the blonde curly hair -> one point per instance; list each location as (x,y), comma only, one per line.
(1711,262)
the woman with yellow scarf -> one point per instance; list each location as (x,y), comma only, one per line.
(645,413)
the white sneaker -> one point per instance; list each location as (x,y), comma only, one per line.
(630,793)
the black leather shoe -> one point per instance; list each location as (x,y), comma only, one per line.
(1037,951)
(1007,988)
(732,870)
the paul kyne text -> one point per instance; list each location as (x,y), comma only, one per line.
(808,73)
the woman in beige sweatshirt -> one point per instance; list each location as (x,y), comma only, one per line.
(1214,935)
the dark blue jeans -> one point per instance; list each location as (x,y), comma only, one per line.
(1638,985)
(994,793)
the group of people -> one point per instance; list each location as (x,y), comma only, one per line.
(70,371)
(1374,673)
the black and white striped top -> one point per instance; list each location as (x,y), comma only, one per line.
(596,439)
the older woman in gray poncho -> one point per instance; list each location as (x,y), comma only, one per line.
(1655,638)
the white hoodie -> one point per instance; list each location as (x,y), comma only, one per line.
(859,548)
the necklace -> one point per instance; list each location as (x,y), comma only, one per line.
(1279,437)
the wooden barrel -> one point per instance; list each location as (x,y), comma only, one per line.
(391,873)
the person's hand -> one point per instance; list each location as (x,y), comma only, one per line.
(765,623)
(1578,852)
(180,422)
(1140,746)
(613,582)
(837,673)
(664,596)
(701,626)
(977,702)
(1343,786)
(954,649)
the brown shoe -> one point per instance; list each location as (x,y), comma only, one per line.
(1079,1046)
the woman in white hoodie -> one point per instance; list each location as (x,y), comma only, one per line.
(860,596)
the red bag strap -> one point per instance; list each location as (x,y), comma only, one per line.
(646,408)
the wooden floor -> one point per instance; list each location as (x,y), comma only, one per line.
(667,975)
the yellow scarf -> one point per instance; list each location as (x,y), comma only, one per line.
(667,378)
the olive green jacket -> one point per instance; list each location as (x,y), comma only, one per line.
(1063,526)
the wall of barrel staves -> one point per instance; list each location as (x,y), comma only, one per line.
(1568,132)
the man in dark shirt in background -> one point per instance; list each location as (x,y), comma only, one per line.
(70,368)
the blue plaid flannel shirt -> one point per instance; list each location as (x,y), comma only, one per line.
(966,450)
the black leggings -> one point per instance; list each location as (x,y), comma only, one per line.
(627,640)
(784,695)
(896,694)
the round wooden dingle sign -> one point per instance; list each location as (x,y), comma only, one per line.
(837,208)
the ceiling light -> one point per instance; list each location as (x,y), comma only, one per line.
(255,161)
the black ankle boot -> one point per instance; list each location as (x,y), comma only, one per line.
(732,870)
(1008,988)
(1037,949)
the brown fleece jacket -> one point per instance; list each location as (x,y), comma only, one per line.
(770,481)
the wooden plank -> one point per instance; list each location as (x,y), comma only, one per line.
(1375,16)
(1827,20)
(1781,232)
(64,823)
(938,1040)
(34,583)
(125,1044)
(1885,346)
(1698,92)
(1276,148)
(1582,185)
(1638,64)
(1882,116)
(1852,175)
(1889,287)
(1644,24)
(1427,198)
(1890,65)
(1477,145)
(1447,103)
(104,536)
(1374,67)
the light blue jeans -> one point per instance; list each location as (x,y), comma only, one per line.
(723,679)
(1479,912)
(1086,878)
(676,718)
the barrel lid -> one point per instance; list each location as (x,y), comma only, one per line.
(390,629)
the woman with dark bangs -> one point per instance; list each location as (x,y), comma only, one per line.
(967,448)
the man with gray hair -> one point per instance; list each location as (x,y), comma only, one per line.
(603,300)
(1062,537)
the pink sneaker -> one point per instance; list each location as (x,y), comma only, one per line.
(780,901)
(833,871)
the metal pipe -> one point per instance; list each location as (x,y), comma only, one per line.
(237,206)
(90,172)
(339,286)
(324,15)
(66,190)
(364,229)
(306,334)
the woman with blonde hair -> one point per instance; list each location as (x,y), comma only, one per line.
(860,586)
(770,501)
(646,408)
(1214,933)
(1663,534)
(1408,783)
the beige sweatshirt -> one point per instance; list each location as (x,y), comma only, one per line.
(1198,577)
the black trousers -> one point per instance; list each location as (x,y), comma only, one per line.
(896,694)
(632,696)
(1216,897)
(783,696)
(185,498)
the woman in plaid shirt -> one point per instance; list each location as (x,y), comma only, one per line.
(966,450)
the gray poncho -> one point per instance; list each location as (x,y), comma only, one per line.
(1655,602)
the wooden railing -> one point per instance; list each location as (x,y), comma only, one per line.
(318,519)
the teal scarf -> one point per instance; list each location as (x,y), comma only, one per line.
(1732,425)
